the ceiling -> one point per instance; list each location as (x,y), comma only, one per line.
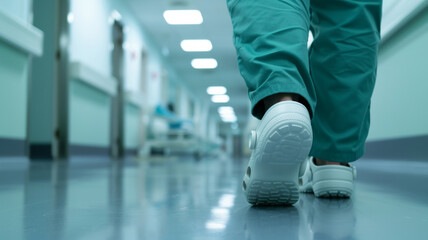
(216,27)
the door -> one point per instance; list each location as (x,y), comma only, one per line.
(117,117)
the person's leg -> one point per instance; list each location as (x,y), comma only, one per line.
(271,43)
(343,61)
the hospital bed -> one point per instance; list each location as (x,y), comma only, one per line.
(168,134)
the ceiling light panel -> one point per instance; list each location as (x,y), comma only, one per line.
(204,63)
(229,119)
(196,45)
(226,110)
(227,114)
(220,98)
(216,90)
(183,17)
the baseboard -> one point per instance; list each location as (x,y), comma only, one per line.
(84,150)
(12,147)
(411,148)
(41,151)
(131,152)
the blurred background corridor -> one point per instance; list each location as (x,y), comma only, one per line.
(130,120)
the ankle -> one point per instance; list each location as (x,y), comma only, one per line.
(279,97)
(320,162)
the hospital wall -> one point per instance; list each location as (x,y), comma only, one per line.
(15,52)
(14,68)
(93,48)
(89,107)
(399,103)
(20,9)
(13,92)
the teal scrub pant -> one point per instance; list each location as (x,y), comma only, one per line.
(335,77)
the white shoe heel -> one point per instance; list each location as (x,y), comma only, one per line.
(282,141)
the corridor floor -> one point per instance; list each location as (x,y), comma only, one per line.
(180,198)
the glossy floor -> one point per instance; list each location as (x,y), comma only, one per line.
(180,198)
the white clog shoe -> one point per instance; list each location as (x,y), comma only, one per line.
(334,181)
(280,144)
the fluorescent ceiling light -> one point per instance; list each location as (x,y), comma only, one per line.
(220,98)
(216,90)
(225,110)
(231,116)
(229,120)
(227,114)
(180,17)
(204,63)
(196,45)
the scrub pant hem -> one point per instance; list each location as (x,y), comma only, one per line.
(344,157)
(256,97)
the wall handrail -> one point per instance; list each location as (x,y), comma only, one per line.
(21,34)
(135,98)
(80,71)
(397,14)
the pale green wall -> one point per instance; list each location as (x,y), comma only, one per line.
(17,8)
(89,115)
(132,128)
(13,92)
(400,103)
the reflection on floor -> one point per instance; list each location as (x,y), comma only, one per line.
(97,198)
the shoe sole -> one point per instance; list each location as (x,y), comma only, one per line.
(306,189)
(273,181)
(326,187)
(333,189)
